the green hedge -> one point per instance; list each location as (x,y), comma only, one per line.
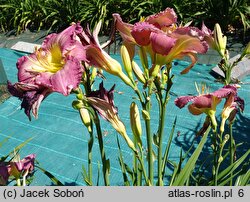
(55,15)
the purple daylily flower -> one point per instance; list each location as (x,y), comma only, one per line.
(207,103)
(163,39)
(16,168)
(103,102)
(55,67)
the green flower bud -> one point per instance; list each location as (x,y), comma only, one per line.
(77,104)
(246,51)
(138,72)
(220,40)
(220,159)
(135,122)
(84,113)
(145,115)
(144,59)
(126,61)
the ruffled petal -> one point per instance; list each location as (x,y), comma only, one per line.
(225,91)
(27,68)
(183,100)
(186,44)
(124,29)
(161,43)
(203,101)
(163,19)
(68,77)
(141,33)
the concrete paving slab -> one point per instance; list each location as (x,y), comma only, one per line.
(25,46)
(238,72)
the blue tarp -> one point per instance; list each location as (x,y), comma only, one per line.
(60,140)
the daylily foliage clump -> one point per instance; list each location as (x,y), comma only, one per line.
(69,62)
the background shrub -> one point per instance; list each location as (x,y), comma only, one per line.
(55,15)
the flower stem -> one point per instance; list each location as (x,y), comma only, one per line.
(161,130)
(140,158)
(150,152)
(231,147)
(90,146)
(105,168)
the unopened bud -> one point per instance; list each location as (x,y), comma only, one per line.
(220,40)
(126,61)
(220,159)
(84,113)
(145,115)
(77,104)
(144,59)
(246,51)
(135,122)
(93,74)
(138,72)
(226,138)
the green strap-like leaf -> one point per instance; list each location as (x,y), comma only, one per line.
(52,177)
(188,168)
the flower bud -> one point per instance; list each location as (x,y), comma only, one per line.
(226,138)
(93,74)
(246,51)
(220,40)
(138,72)
(126,61)
(143,58)
(77,104)
(145,115)
(135,122)
(220,159)
(80,96)
(84,113)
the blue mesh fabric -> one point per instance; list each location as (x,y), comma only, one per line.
(60,140)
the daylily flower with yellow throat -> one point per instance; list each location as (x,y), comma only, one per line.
(207,103)
(163,39)
(55,67)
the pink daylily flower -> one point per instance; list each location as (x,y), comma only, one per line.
(163,39)
(163,19)
(4,174)
(55,67)
(207,103)
(16,168)
(26,165)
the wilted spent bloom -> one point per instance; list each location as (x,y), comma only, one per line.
(103,102)
(55,67)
